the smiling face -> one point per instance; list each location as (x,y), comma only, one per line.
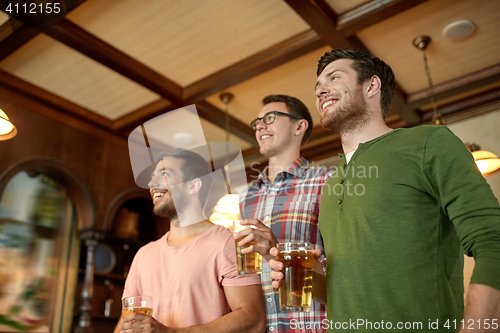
(339,97)
(167,171)
(276,137)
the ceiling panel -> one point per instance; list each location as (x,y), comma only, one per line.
(391,40)
(188,40)
(295,78)
(61,70)
(343,6)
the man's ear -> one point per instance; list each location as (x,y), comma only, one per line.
(372,86)
(195,186)
(301,127)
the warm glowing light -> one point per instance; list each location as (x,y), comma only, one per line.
(482,166)
(222,219)
(228,204)
(487,162)
(226,211)
(5,125)
(7,129)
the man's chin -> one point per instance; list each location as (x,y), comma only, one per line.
(164,211)
(267,151)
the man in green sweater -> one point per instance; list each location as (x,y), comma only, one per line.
(399,213)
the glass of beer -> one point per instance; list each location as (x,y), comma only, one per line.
(248,263)
(296,287)
(137,304)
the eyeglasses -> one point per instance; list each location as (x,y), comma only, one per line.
(270,117)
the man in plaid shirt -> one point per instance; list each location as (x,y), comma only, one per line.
(283,202)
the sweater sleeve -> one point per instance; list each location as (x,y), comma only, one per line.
(467,200)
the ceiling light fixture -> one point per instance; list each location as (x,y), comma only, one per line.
(421,43)
(183,139)
(7,128)
(487,162)
(459,29)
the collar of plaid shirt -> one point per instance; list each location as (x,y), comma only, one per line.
(297,169)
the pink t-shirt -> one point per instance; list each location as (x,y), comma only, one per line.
(187,281)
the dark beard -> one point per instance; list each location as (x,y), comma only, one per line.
(347,117)
(165,210)
(168,209)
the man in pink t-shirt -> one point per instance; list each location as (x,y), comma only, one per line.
(190,271)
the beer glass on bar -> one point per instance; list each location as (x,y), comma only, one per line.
(248,263)
(137,304)
(296,287)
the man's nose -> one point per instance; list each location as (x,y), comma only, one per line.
(260,125)
(321,90)
(152,183)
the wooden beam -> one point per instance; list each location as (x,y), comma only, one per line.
(82,41)
(11,41)
(14,33)
(322,20)
(256,64)
(456,86)
(373,12)
(137,117)
(473,111)
(9,27)
(217,117)
(465,104)
(51,100)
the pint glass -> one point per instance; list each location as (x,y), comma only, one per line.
(248,263)
(296,287)
(137,304)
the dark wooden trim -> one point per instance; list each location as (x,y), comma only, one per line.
(6,29)
(456,86)
(256,64)
(139,116)
(10,41)
(82,41)
(217,117)
(479,100)
(473,111)
(321,21)
(51,100)
(39,107)
(14,34)
(375,11)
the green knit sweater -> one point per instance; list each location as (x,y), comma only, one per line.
(395,223)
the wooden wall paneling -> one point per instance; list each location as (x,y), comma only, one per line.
(100,159)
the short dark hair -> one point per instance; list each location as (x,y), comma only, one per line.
(295,107)
(194,166)
(365,65)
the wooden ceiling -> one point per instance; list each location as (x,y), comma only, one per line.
(119,63)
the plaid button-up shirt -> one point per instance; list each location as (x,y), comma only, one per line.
(290,207)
